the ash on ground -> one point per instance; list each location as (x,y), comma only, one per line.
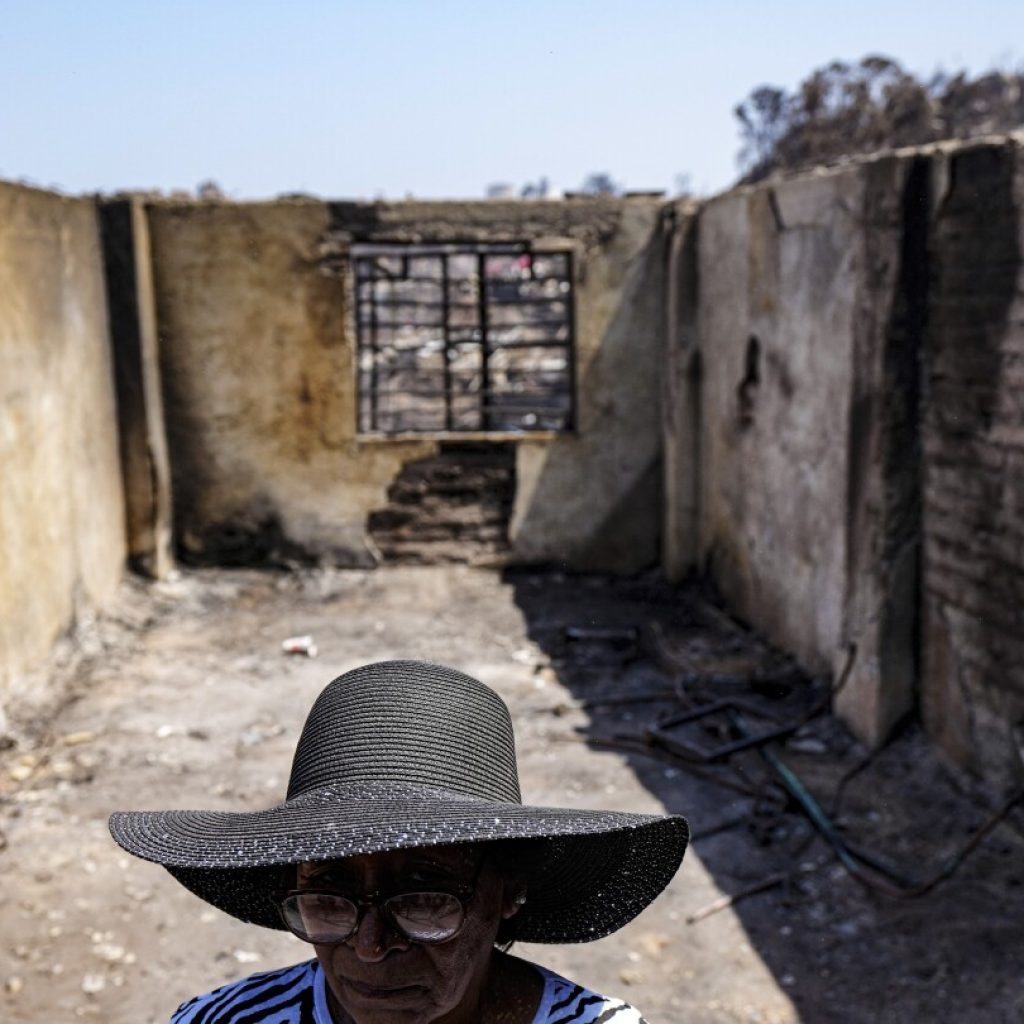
(183,697)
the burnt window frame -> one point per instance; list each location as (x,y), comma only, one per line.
(367,399)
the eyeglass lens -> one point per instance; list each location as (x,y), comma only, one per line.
(326,918)
(426,916)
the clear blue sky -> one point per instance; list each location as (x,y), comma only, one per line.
(434,97)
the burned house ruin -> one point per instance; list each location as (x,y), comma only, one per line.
(809,390)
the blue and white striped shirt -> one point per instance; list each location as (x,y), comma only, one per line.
(298,995)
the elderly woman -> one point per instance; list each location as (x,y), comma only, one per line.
(404,855)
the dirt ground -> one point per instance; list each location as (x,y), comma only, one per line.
(183,698)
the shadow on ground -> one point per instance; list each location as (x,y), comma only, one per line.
(843,952)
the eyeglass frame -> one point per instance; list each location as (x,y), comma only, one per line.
(464,893)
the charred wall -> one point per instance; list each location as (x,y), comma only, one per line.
(257,352)
(848,355)
(812,386)
(782,360)
(145,466)
(256,357)
(454,506)
(972,684)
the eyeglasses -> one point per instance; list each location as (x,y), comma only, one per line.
(327,917)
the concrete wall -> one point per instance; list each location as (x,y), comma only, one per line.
(682,415)
(62,535)
(257,349)
(257,365)
(778,372)
(592,500)
(973,584)
(845,432)
(145,464)
(818,380)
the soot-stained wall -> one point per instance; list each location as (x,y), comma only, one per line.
(822,375)
(845,431)
(62,534)
(256,363)
(779,371)
(257,351)
(972,682)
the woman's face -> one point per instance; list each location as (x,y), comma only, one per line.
(377,976)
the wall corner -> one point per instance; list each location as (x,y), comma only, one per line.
(128,270)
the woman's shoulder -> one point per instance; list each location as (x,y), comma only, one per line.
(285,994)
(565,1001)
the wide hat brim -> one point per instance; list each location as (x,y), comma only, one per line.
(590,872)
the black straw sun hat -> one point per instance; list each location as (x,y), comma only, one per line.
(405,754)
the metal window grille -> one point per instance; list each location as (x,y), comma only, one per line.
(464,337)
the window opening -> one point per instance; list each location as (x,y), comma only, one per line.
(463,337)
